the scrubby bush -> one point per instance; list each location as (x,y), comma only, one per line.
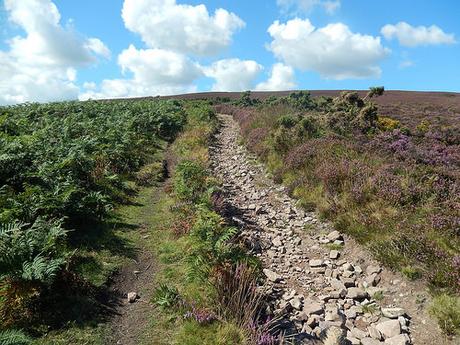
(447,310)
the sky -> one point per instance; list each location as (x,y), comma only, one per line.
(52,50)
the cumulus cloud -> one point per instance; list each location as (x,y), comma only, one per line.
(182,28)
(282,77)
(152,72)
(333,51)
(40,66)
(410,36)
(233,74)
(306,6)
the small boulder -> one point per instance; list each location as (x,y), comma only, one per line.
(132,297)
(389,329)
(334,254)
(370,341)
(316,263)
(311,307)
(401,339)
(272,276)
(334,236)
(371,269)
(356,293)
(393,313)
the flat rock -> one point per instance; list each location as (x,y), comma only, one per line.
(356,293)
(393,313)
(370,341)
(316,263)
(277,242)
(401,339)
(334,236)
(334,254)
(371,269)
(311,307)
(389,329)
(272,276)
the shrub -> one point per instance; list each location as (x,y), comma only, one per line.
(387,123)
(237,296)
(166,296)
(446,309)
(190,181)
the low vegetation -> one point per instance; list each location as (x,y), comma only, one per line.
(395,189)
(64,168)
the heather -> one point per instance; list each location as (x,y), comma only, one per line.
(395,189)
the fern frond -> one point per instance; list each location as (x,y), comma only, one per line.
(14,337)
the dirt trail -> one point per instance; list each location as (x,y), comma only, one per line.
(131,320)
(314,285)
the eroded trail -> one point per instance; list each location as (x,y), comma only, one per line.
(319,278)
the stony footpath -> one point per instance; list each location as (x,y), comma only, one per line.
(317,278)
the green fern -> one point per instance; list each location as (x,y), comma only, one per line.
(14,337)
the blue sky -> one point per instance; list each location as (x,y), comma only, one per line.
(61,49)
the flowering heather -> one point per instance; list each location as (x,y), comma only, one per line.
(393,189)
(255,139)
(201,315)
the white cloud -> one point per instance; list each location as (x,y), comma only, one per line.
(305,6)
(406,64)
(410,36)
(181,28)
(233,74)
(154,71)
(40,66)
(282,78)
(334,51)
(98,47)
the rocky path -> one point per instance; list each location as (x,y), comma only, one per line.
(317,277)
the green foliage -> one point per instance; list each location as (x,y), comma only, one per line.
(411,272)
(14,337)
(375,91)
(246,100)
(446,309)
(190,181)
(301,101)
(166,296)
(34,253)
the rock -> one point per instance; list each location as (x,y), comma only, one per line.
(393,313)
(371,269)
(353,341)
(347,267)
(356,293)
(334,236)
(401,339)
(334,254)
(272,276)
(132,297)
(370,341)
(296,303)
(311,307)
(277,242)
(373,279)
(374,332)
(316,263)
(357,333)
(389,329)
